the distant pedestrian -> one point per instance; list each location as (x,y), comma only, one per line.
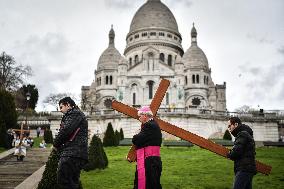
(38,131)
(42,144)
(30,142)
(242,153)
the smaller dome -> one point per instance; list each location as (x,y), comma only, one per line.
(110,58)
(194,57)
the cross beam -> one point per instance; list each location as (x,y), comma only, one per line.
(176,131)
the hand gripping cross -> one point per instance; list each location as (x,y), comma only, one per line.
(176,131)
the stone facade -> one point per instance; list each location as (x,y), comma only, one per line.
(153,52)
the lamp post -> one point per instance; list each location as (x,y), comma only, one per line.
(28,97)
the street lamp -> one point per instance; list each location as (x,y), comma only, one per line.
(28,97)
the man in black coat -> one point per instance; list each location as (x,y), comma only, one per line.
(148,142)
(242,153)
(72,144)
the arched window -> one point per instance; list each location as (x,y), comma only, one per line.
(167,99)
(136,59)
(100,80)
(186,80)
(204,79)
(110,80)
(162,57)
(130,62)
(197,78)
(134,98)
(170,60)
(207,80)
(193,78)
(150,85)
(106,80)
(133,86)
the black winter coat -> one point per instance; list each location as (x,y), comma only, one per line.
(150,135)
(71,141)
(243,151)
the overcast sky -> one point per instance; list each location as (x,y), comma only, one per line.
(62,41)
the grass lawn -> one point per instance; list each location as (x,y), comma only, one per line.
(38,140)
(183,168)
(2,149)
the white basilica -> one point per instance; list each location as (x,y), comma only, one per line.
(153,51)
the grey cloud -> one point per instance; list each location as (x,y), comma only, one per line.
(48,57)
(261,86)
(246,68)
(281,91)
(255,70)
(121,4)
(2,24)
(281,49)
(52,44)
(262,39)
(173,3)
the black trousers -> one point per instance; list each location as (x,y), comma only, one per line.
(153,171)
(243,180)
(68,172)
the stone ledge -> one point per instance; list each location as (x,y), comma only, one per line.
(32,181)
(7,153)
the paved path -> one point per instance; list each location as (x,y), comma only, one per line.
(13,172)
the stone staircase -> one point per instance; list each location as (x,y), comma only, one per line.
(13,172)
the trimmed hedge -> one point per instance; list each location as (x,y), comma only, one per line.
(97,156)
(109,138)
(48,138)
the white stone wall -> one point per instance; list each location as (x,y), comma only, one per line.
(202,126)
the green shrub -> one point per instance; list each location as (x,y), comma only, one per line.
(3,133)
(48,136)
(8,117)
(109,138)
(117,137)
(121,134)
(227,135)
(49,177)
(97,156)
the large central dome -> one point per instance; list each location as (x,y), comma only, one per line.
(154,14)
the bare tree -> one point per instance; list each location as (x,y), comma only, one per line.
(53,99)
(11,74)
(245,109)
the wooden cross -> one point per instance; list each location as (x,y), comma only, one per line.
(176,131)
(21,132)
